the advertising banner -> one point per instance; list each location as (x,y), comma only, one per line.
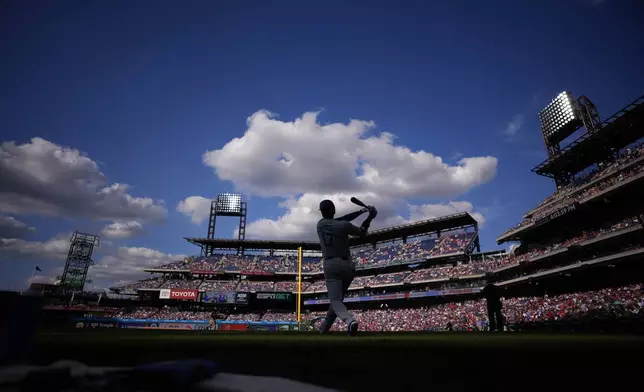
(417,294)
(86,324)
(135,325)
(262,328)
(241,299)
(233,327)
(180,326)
(164,294)
(163,324)
(556,214)
(225,297)
(189,295)
(258,326)
(216,297)
(274,296)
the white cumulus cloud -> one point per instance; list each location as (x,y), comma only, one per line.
(305,162)
(513,127)
(10,227)
(40,177)
(196,207)
(42,279)
(278,158)
(429,211)
(53,249)
(121,230)
(126,263)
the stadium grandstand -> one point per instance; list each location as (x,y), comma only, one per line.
(577,257)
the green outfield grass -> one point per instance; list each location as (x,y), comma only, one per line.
(367,362)
(310,338)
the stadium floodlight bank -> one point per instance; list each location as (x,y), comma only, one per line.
(79,258)
(228,204)
(623,128)
(559,119)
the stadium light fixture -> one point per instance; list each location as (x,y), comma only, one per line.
(228,204)
(560,117)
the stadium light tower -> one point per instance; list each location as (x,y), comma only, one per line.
(79,258)
(227,204)
(564,116)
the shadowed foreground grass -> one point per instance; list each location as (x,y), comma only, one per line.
(371,361)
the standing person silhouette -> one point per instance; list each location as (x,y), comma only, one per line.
(339,269)
(492,295)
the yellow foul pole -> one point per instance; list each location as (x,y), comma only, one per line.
(299,283)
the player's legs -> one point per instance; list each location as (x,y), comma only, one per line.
(328,320)
(330,314)
(352,326)
(499,319)
(336,273)
(348,278)
(491,319)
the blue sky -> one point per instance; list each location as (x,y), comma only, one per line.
(152,94)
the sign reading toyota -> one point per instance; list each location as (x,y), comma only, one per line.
(190,295)
(164,294)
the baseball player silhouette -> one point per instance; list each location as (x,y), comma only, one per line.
(339,269)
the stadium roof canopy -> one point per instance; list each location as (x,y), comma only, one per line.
(623,128)
(444,223)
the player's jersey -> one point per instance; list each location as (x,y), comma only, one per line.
(334,238)
(493,295)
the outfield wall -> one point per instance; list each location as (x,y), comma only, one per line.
(186,325)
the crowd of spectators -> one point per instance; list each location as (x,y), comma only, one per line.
(380,257)
(152,283)
(625,167)
(358,281)
(425,274)
(279,316)
(251,285)
(137,313)
(472,268)
(82,306)
(218,285)
(319,285)
(452,244)
(623,248)
(584,236)
(472,315)
(288,286)
(167,313)
(625,157)
(206,263)
(463,316)
(187,284)
(393,278)
(415,250)
(381,290)
(177,265)
(479,267)
(244,317)
(364,258)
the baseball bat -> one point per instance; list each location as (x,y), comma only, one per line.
(358,202)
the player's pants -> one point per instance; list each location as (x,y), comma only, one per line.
(495,318)
(338,274)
